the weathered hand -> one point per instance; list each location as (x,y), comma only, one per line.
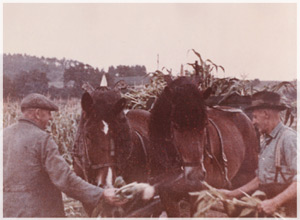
(145,189)
(268,206)
(111,198)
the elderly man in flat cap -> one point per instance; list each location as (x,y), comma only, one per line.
(277,166)
(34,173)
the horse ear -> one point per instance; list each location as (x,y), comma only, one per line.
(197,80)
(168,92)
(168,79)
(120,85)
(207,93)
(86,102)
(87,87)
(119,106)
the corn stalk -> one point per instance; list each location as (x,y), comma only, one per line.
(244,207)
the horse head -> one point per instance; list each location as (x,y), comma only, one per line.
(190,140)
(103,136)
(187,122)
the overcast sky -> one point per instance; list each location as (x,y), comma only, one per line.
(258,40)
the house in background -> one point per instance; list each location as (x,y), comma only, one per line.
(134,81)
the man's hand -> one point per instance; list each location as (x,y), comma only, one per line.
(145,189)
(268,206)
(110,197)
(148,190)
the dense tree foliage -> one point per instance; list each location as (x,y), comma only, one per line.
(25,83)
(63,78)
(123,71)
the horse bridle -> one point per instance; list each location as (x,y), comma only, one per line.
(112,153)
(104,165)
(99,165)
(207,149)
(194,163)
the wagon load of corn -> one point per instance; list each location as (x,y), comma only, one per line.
(247,206)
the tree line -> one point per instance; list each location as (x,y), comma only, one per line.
(23,74)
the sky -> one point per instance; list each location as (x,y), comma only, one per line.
(248,40)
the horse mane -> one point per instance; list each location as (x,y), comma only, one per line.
(123,141)
(104,100)
(188,112)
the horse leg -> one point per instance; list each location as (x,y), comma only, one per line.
(170,204)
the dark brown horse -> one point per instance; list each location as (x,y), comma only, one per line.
(108,142)
(191,142)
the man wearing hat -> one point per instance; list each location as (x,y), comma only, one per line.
(34,173)
(277,166)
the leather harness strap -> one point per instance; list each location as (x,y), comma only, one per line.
(144,150)
(143,143)
(99,166)
(210,154)
(224,171)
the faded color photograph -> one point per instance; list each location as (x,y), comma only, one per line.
(150,110)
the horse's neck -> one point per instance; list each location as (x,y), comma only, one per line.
(139,121)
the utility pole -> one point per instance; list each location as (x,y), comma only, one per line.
(181,71)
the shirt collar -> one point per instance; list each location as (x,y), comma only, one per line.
(276,130)
(22,119)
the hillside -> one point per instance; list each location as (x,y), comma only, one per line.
(23,74)
(15,64)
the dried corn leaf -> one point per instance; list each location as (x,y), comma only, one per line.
(247,212)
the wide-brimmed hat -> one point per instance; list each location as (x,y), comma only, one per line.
(35,100)
(266,100)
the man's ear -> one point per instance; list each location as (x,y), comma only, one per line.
(37,113)
(267,113)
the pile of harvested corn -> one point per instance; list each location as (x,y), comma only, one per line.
(245,207)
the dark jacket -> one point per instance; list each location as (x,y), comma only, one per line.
(34,174)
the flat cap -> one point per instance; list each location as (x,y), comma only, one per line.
(35,100)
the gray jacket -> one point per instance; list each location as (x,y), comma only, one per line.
(34,174)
